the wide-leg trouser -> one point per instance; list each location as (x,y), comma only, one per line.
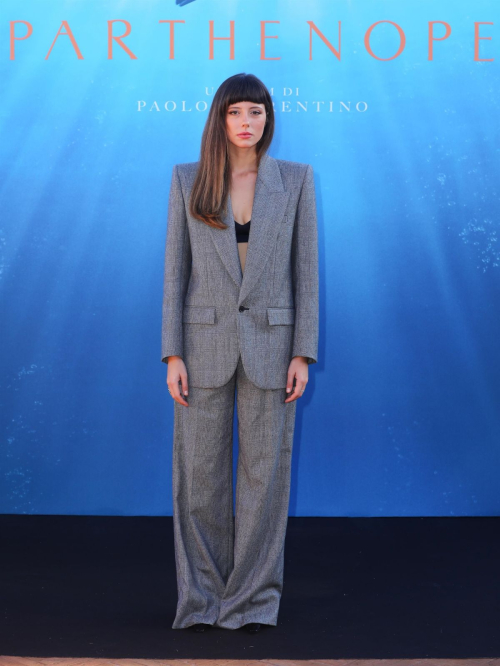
(230,572)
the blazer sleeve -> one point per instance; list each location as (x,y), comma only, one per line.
(305,272)
(177,271)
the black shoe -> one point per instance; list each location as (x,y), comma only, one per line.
(253,627)
(200,627)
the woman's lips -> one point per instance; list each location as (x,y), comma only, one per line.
(244,135)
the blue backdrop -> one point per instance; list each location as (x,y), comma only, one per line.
(401,416)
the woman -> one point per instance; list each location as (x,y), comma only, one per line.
(240,312)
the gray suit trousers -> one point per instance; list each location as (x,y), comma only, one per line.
(230,570)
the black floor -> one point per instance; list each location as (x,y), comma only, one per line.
(77,586)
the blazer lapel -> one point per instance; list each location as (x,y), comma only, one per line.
(269,205)
(225,242)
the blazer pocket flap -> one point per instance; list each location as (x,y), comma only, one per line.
(198,314)
(281,315)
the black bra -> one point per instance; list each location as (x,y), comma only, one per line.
(242,231)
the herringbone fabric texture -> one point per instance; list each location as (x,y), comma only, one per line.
(230,574)
(237,332)
(205,289)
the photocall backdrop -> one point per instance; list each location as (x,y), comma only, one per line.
(401,415)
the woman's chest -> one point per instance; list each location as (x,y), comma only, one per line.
(242,192)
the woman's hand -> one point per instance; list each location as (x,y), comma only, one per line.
(298,368)
(176,372)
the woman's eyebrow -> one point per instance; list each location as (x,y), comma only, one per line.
(235,106)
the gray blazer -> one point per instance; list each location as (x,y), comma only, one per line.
(212,311)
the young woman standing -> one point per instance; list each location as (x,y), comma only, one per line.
(240,314)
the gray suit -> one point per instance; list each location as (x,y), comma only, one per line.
(237,331)
(203,320)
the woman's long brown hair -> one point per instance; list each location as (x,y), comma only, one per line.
(210,189)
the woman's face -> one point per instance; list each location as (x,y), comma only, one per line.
(245,123)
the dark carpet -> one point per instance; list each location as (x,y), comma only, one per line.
(93,586)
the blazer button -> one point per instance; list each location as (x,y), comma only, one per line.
(242,308)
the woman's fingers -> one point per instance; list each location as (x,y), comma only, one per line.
(177,381)
(184,382)
(301,379)
(178,394)
(297,392)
